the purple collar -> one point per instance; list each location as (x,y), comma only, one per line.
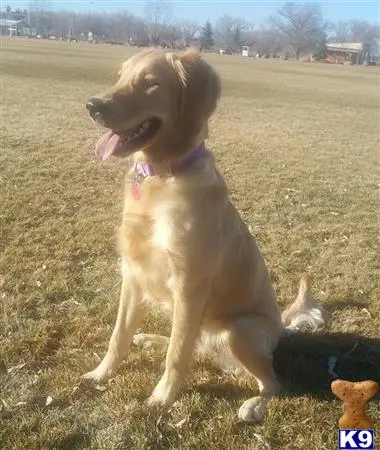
(147,170)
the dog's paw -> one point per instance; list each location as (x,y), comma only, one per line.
(98,375)
(142,340)
(155,402)
(164,394)
(252,410)
(159,398)
(146,341)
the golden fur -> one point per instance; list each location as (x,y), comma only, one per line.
(183,244)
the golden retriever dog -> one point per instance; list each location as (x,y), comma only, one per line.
(182,242)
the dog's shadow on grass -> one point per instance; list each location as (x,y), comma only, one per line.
(347,303)
(223,390)
(306,363)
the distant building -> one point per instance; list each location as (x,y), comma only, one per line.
(12,27)
(15,23)
(348,53)
(245,51)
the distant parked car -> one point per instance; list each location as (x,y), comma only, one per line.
(225,51)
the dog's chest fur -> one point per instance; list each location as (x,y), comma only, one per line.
(147,236)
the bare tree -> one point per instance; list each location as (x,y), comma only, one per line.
(267,41)
(363,31)
(158,14)
(357,31)
(139,33)
(230,32)
(99,25)
(121,27)
(60,23)
(341,31)
(40,5)
(188,31)
(170,35)
(301,26)
(40,17)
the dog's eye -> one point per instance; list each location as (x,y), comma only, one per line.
(150,83)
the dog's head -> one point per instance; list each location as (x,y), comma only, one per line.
(159,105)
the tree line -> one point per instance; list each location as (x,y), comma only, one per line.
(295,28)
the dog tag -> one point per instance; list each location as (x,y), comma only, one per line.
(136,185)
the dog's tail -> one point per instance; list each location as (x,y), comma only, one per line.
(305,313)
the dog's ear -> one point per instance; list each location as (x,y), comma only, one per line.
(200,89)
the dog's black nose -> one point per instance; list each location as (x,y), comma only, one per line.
(95,105)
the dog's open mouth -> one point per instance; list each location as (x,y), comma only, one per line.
(125,142)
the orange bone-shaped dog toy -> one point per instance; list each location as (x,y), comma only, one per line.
(355,397)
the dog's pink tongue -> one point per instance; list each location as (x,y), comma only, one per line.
(107,145)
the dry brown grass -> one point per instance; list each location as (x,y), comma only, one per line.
(298,145)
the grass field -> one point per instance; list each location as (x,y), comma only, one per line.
(298,144)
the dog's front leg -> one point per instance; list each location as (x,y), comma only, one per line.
(189,304)
(129,316)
